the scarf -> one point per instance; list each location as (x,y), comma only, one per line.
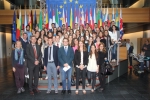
(19,56)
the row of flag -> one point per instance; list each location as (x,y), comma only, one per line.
(79,16)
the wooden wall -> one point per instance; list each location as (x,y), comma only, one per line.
(130,15)
(122,53)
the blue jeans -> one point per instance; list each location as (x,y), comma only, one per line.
(114,52)
(65,75)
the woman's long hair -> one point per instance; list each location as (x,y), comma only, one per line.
(104,49)
(84,48)
(96,54)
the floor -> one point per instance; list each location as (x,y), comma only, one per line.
(126,87)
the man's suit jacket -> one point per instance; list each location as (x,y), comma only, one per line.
(55,56)
(30,54)
(65,58)
(77,58)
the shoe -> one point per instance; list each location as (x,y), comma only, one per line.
(84,92)
(60,83)
(36,91)
(26,76)
(31,93)
(56,91)
(22,89)
(48,91)
(87,85)
(46,77)
(92,90)
(69,91)
(19,91)
(76,91)
(63,91)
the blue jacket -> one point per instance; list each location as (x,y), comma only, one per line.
(55,56)
(65,58)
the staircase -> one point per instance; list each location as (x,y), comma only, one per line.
(43,84)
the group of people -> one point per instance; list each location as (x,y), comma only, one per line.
(70,53)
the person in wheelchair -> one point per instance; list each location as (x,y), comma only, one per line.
(141,57)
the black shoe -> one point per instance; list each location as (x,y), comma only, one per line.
(69,91)
(19,91)
(22,89)
(63,91)
(60,83)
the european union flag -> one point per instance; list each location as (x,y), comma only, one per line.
(14,28)
(67,5)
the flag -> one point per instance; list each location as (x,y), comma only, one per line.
(66,19)
(76,16)
(121,24)
(79,17)
(82,19)
(35,20)
(40,21)
(94,16)
(14,28)
(117,18)
(50,19)
(101,18)
(71,18)
(113,15)
(53,14)
(19,26)
(98,17)
(57,18)
(46,19)
(30,23)
(25,21)
(63,17)
(91,20)
(86,16)
(104,13)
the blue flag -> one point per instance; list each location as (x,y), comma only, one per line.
(14,28)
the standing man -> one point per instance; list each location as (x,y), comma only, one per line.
(57,42)
(28,32)
(24,43)
(34,55)
(51,64)
(65,57)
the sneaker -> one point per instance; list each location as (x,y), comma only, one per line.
(46,77)
(139,72)
(19,91)
(22,89)
(48,91)
(56,91)
(26,76)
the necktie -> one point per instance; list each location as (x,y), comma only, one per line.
(35,53)
(50,54)
(66,50)
(57,45)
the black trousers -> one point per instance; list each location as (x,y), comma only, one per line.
(91,75)
(130,60)
(80,74)
(33,72)
(102,80)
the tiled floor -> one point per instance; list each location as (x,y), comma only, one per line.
(127,87)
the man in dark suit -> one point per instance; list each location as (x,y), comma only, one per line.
(65,57)
(51,64)
(34,55)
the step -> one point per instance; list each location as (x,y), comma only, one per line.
(44,87)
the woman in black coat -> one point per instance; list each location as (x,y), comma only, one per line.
(102,56)
(130,54)
(81,61)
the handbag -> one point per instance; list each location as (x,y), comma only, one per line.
(106,69)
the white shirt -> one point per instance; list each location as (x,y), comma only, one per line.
(113,35)
(81,57)
(92,65)
(57,44)
(66,47)
(52,59)
(127,46)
